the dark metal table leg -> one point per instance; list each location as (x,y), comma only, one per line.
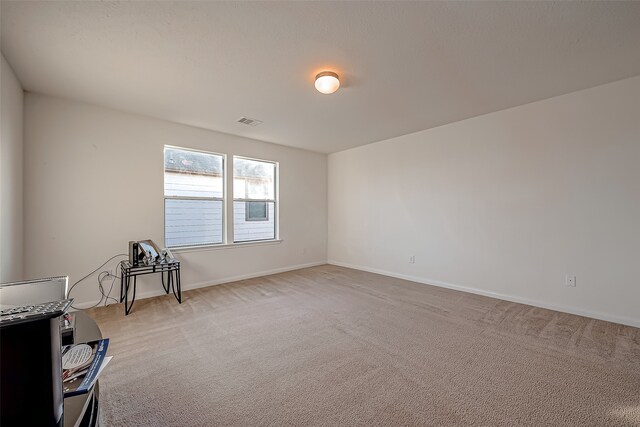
(127,306)
(126,293)
(174,284)
(166,288)
(177,285)
(121,285)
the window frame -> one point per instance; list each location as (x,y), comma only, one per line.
(222,199)
(275,200)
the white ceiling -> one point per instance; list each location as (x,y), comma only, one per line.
(404,66)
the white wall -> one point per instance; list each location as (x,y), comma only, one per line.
(11,223)
(505,204)
(94,181)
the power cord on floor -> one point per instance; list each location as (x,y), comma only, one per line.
(104,297)
(105,275)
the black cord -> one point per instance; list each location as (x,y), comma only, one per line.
(99,281)
(108,296)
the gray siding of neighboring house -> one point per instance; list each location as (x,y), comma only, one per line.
(252,230)
(192,222)
(199,222)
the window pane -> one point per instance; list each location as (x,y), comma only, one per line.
(192,222)
(253,179)
(256,211)
(246,230)
(192,174)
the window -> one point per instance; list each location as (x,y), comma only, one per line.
(193,197)
(256,211)
(195,204)
(254,200)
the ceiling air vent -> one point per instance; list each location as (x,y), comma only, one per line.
(249,122)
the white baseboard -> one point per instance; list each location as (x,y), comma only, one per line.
(512,298)
(186,287)
(550,306)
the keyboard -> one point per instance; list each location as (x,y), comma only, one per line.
(27,313)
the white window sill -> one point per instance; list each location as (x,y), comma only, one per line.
(186,249)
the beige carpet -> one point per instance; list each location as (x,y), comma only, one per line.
(334,346)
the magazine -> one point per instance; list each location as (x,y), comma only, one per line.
(82,364)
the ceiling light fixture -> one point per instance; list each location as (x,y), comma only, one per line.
(327,82)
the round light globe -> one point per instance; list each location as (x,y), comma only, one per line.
(327,82)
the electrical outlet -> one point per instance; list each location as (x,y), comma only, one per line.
(570,281)
(412,259)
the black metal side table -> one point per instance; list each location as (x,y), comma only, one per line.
(128,272)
